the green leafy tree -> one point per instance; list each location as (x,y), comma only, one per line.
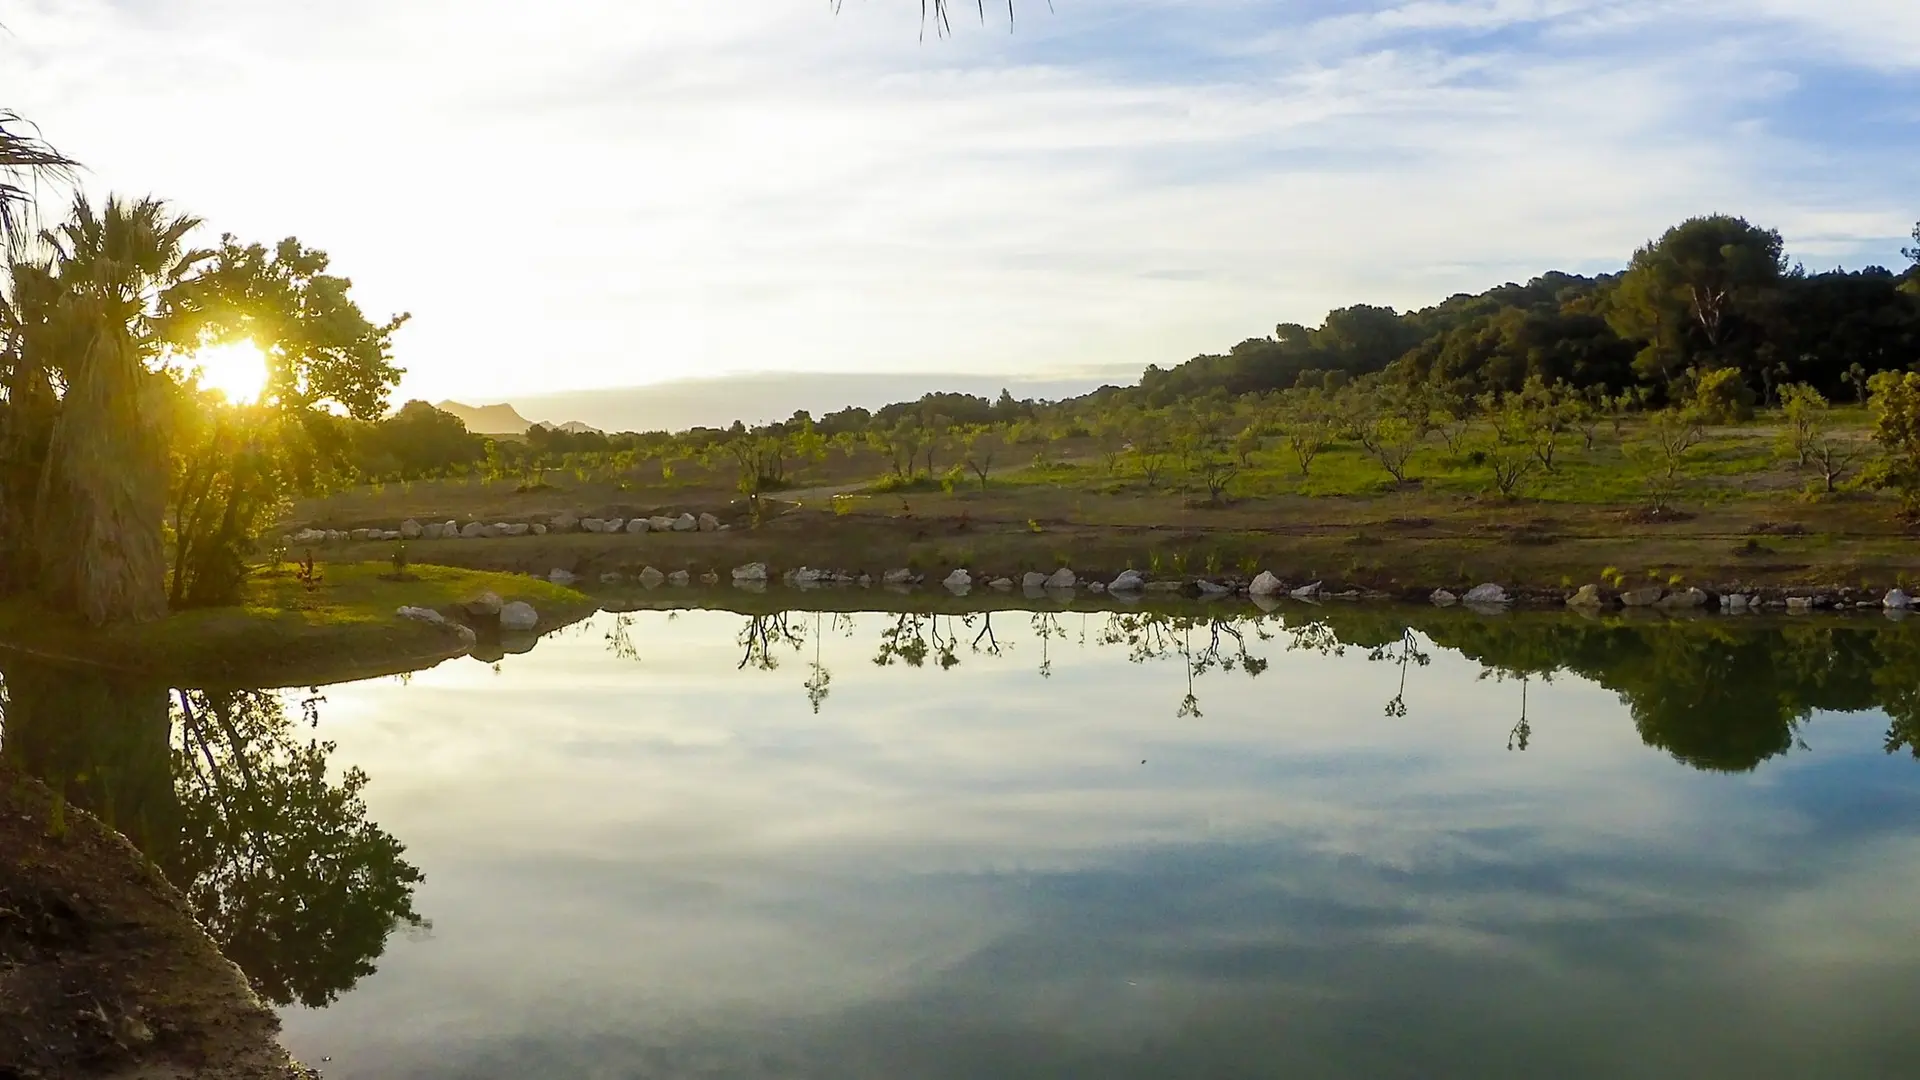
(1895,403)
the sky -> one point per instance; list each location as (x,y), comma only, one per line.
(578,194)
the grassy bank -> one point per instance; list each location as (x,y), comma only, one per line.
(1399,543)
(288,632)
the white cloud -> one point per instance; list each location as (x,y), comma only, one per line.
(594,193)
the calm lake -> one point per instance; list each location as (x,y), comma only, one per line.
(1312,843)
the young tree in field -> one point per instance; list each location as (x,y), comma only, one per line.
(1895,401)
(1452,416)
(1509,446)
(1803,420)
(978,453)
(1833,457)
(1307,422)
(1215,469)
(1550,409)
(1110,437)
(1150,447)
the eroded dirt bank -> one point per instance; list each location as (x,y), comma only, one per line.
(103,972)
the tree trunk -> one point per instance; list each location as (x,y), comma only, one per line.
(104,490)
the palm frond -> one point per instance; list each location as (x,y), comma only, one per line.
(938,14)
(25,162)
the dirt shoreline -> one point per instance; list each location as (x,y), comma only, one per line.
(104,974)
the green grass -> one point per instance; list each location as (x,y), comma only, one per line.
(285,634)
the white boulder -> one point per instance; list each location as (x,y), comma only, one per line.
(653,579)
(561,577)
(1307,592)
(1062,578)
(613,525)
(519,615)
(660,523)
(1799,605)
(685,523)
(1487,594)
(959,579)
(411,530)
(637,526)
(1128,581)
(754,571)
(1443,598)
(472,530)
(1265,585)
(900,576)
(1896,600)
(421,614)
(593,525)
(538,529)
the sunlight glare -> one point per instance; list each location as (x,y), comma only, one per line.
(238,369)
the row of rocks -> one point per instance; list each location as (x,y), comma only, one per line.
(411,529)
(486,609)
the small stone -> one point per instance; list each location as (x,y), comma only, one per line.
(959,579)
(711,577)
(411,530)
(593,525)
(1588,597)
(484,606)
(1265,585)
(1443,598)
(1033,581)
(1001,583)
(1737,602)
(897,577)
(1684,600)
(358,534)
(1307,592)
(1128,581)
(611,577)
(1896,600)
(709,523)
(638,525)
(756,571)
(660,523)
(421,614)
(1062,578)
(1799,605)
(613,525)
(519,615)
(680,577)
(1209,587)
(1645,596)
(539,529)
(561,577)
(685,523)
(653,579)
(473,530)
(1096,586)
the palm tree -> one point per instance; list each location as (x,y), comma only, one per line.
(25,160)
(87,323)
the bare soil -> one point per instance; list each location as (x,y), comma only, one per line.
(104,975)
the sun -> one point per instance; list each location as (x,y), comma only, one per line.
(238,369)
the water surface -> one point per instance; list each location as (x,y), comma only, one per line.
(1313,843)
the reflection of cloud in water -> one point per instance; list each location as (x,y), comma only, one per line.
(970,872)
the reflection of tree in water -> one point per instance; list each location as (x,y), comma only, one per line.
(229,797)
(1715,694)
(1150,636)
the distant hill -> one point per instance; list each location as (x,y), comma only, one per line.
(501,419)
(759,398)
(575,427)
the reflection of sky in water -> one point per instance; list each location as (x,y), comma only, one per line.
(669,867)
